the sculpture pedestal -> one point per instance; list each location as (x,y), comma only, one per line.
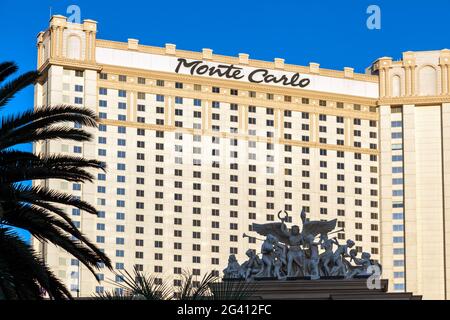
(330,289)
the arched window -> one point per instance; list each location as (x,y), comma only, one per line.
(396,86)
(428,81)
(74,47)
(45,52)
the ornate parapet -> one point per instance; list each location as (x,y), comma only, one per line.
(64,40)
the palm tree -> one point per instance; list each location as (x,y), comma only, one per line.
(137,286)
(37,209)
(141,286)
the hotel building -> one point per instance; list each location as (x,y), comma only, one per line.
(199,146)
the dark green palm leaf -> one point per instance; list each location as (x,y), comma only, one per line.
(22,273)
(46,116)
(53,133)
(8,90)
(6,69)
(232,290)
(140,286)
(45,227)
(39,210)
(37,195)
(72,174)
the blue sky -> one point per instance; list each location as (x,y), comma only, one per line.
(332,33)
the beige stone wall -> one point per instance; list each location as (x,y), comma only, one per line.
(418,87)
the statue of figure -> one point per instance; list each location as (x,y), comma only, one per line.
(233,270)
(281,253)
(295,254)
(326,258)
(340,268)
(252,266)
(362,264)
(267,250)
(280,262)
(313,261)
(294,239)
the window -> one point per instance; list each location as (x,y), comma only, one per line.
(178,100)
(398,240)
(120,253)
(399,263)
(397,135)
(397,216)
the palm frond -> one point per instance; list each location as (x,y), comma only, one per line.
(46,227)
(232,290)
(6,69)
(19,174)
(112,296)
(139,285)
(8,90)
(23,275)
(46,116)
(18,166)
(52,133)
(192,290)
(39,195)
(11,156)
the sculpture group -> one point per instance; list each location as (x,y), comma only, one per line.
(311,253)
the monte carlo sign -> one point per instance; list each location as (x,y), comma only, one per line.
(170,64)
(231,72)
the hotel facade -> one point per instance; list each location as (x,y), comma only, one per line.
(199,146)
